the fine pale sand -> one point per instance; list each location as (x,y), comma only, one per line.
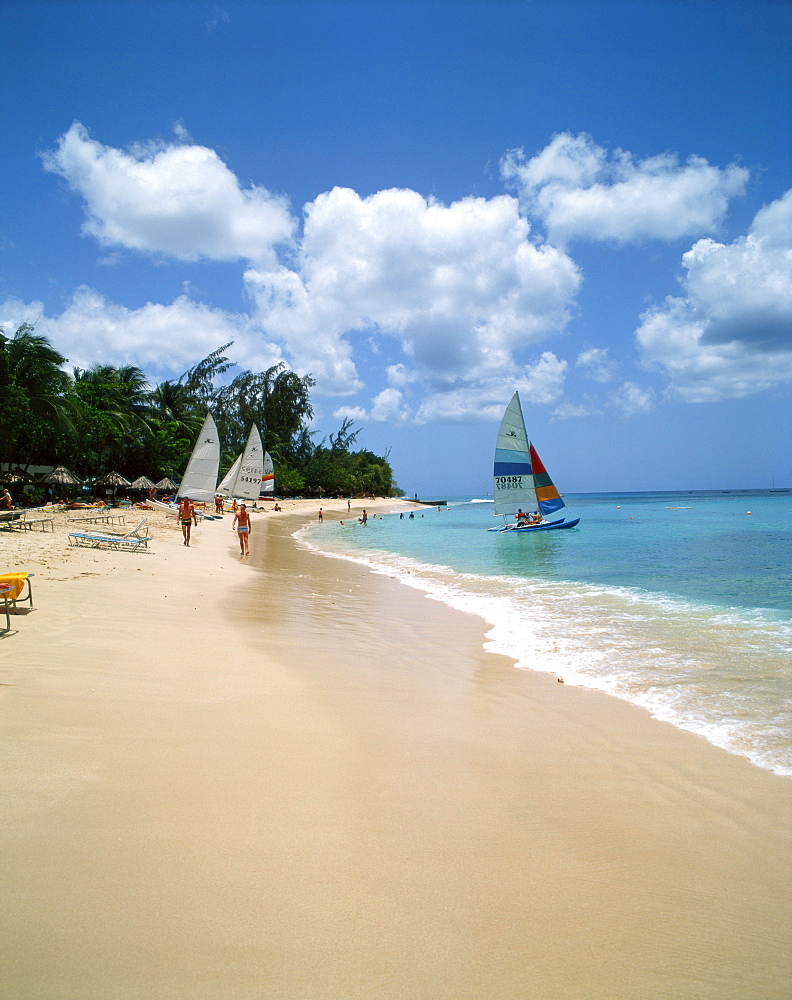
(287,777)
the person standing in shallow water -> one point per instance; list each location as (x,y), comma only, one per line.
(188,517)
(321,515)
(242,525)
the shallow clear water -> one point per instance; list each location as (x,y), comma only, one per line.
(680,602)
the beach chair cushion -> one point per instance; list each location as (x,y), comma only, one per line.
(15,580)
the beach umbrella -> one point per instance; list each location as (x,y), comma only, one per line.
(167,484)
(16,476)
(143,483)
(60,476)
(112,479)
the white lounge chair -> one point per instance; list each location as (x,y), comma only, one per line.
(131,540)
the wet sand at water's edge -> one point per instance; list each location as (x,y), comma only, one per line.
(287,777)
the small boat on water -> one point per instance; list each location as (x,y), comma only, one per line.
(522,484)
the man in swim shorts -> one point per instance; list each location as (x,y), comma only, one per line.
(242,525)
(187,517)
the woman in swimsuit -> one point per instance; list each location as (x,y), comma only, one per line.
(242,525)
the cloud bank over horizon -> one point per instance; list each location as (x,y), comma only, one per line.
(457,300)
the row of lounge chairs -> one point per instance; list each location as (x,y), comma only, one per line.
(18,519)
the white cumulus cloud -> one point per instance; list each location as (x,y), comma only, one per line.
(461,287)
(595,364)
(579,192)
(167,339)
(177,199)
(731,333)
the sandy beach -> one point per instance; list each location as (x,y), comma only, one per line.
(288,777)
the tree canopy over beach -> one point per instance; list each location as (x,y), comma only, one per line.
(106,418)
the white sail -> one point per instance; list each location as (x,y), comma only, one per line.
(200,479)
(248,480)
(226,487)
(268,475)
(513,481)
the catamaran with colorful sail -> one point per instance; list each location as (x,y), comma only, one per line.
(521,482)
(268,476)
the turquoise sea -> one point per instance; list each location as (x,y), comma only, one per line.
(679,602)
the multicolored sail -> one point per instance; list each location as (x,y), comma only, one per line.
(548,496)
(521,481)
(268,475)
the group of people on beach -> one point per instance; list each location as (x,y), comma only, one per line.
(188,517)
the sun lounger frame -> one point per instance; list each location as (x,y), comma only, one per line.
(6,590)
(131,540)
(119,519)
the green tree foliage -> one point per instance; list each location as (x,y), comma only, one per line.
(277,401)
(108,418)
(33,403)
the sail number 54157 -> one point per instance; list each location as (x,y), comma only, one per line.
(508,482)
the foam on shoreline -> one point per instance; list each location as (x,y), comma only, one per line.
(287,776)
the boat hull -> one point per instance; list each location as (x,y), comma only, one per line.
(550,526)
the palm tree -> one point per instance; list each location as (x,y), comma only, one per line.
(33,387)
(114,404)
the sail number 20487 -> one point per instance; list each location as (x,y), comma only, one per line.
(508,482)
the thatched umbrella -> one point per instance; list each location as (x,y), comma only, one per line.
(143,483)
(15,476)
(167,484)
(112,479)
(60,476)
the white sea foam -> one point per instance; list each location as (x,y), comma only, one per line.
(662,653)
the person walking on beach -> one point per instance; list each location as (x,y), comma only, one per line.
(242,525)
(321,515)
(188,517)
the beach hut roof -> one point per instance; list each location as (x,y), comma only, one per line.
(60,476)
(143,483)
(112,479)
(167,484)
(16,476)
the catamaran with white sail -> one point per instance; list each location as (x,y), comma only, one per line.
(244,479)
(521,482)
(200,478)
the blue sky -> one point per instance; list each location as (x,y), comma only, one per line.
(426,206)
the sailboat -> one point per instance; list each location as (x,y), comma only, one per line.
(200,476)
(268,475)
(243,479)
(521,480)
